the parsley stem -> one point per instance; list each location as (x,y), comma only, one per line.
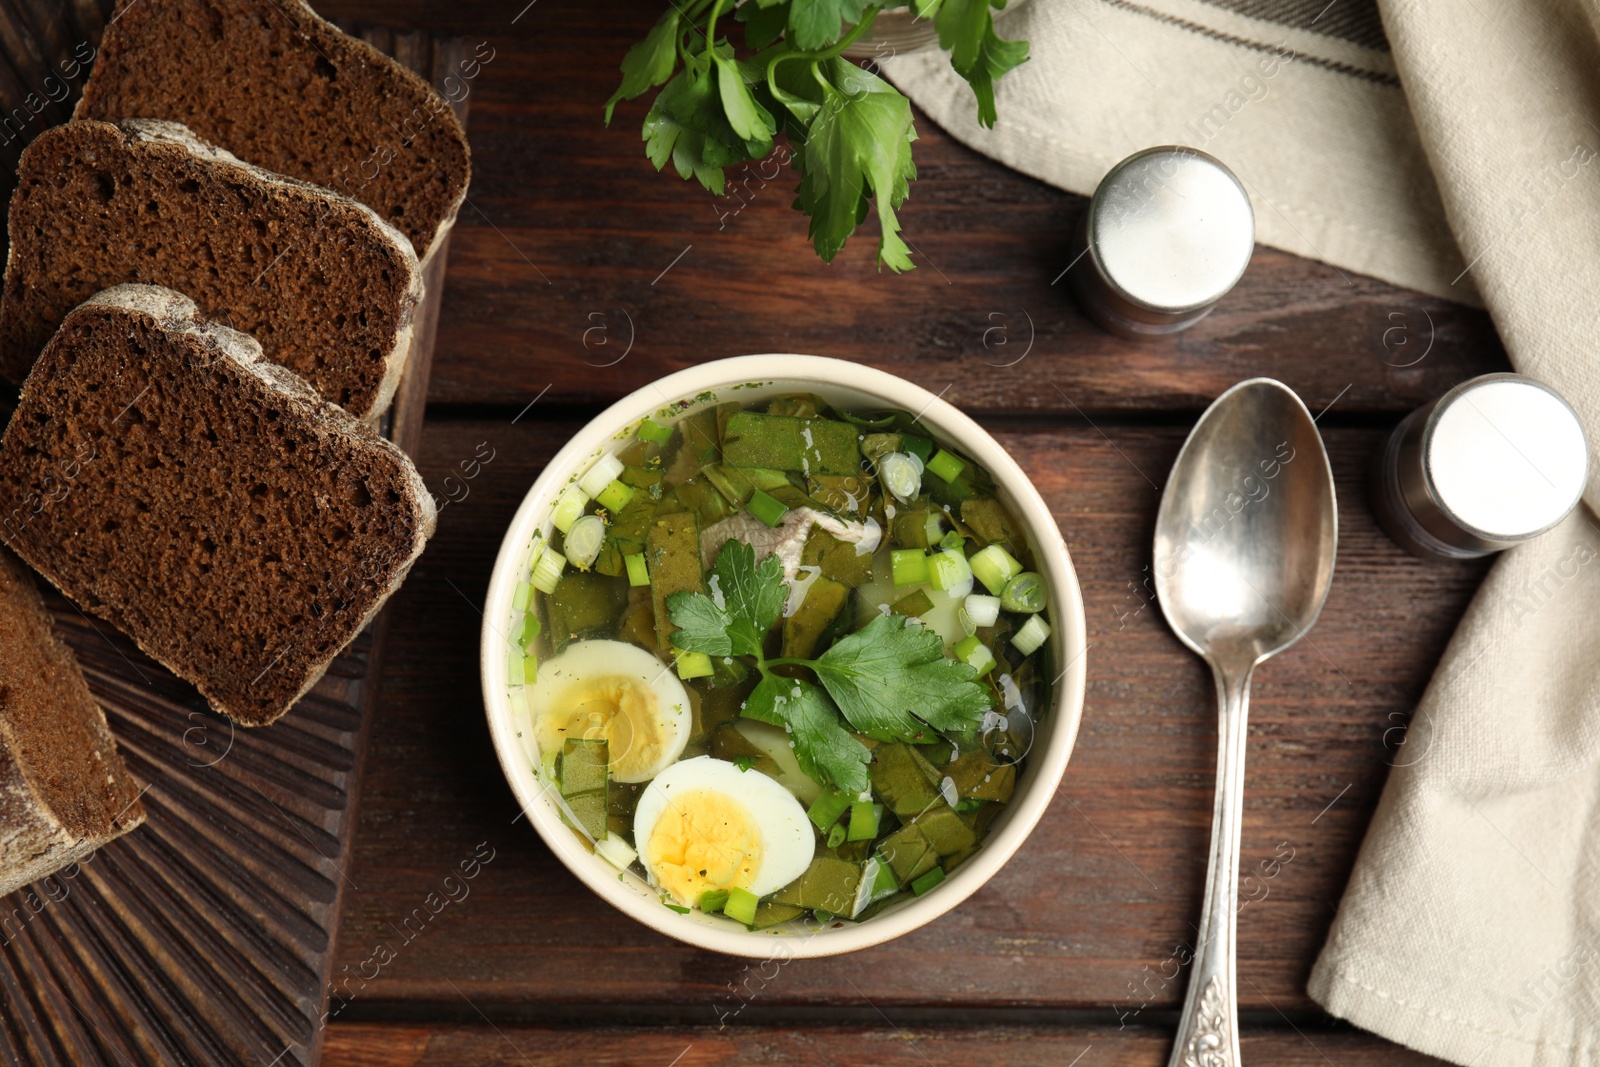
(688,18)
(816,57)
(850,38)
(788,661)
(711,25)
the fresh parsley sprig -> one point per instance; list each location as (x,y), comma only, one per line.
(851,129)
(888,680)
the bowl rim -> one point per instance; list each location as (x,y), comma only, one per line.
(823,375)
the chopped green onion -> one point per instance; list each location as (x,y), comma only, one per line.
(964,617)
(913,605)
(823,917)
(928,881)
(531,629)
(694,665)
(836,834)
(638,570)
(584,540)
(946,465)
(975,654)
(615,496)
(741,905)
(516,668)
(514,638)
(530,669)
(712,900)
(520,598)
(908,566)
(569,508)
(827,808)
(679,908)
(882,884)
(864,819)
(933,526)
(949,572)
(1025,592)
(766,507)
(547,572)
(602,474)
(657,434)
(902,475)
(994,567)
(983,610)
(616,851)
(920,447)
(1031,635)
(954,542)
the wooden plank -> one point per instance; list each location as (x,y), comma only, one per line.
(1088,917)
(571,239)
(887,1046)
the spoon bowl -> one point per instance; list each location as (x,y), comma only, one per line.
(1244,550)
(1245,539)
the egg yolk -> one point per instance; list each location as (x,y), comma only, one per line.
(704,840)
(622,711)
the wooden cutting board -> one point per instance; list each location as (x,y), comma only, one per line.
(207,935)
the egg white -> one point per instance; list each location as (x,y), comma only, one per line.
(787,841)
(588,670)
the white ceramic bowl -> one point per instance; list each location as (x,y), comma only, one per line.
(850,386)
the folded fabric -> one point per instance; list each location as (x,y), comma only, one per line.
(1470,929)
(1301,102)
(1471,925)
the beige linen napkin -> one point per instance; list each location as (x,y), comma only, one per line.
(1470,928)
(1303,103)
(1471,925)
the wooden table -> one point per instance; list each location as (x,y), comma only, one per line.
(577,274)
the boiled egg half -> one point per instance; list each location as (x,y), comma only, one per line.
(704,824)
(618,693)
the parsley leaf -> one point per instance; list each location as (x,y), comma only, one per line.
(648,63)
(748,120)
(814,23)
(887,675)
(852,132)
(763,22)
(890,681)
(690,122)
(754,591)
(966,29)
(701,625)
(825,750)
(670,131)
(858,148)
(746,600)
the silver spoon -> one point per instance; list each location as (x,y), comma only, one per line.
(1244,551)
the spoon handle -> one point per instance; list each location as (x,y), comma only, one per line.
(1208,1029)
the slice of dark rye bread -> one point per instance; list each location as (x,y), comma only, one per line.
(326,287)
(280,87)
(168,479)
(63,789)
